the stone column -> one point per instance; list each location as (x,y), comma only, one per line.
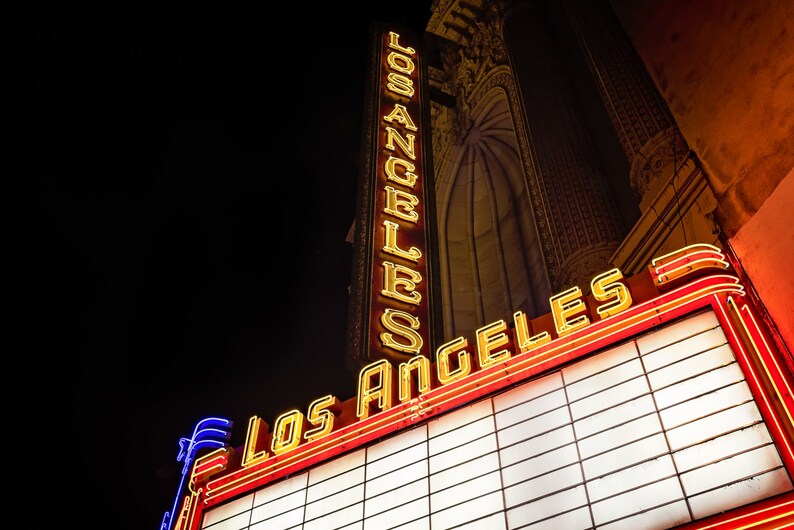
(653,144)
(676,203)
(577,219)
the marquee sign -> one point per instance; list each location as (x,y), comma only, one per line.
(394,397)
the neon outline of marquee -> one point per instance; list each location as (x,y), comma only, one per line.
(768,380)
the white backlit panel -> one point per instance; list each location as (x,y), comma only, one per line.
(651,434)
(476,508)
(739,493)
(230,516)
(396,487)
(572,500)
(281,506)
(403,512)
(396,482)
(335,495)
(542,485)
(634,501)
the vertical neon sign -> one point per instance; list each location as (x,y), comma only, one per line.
(399,327)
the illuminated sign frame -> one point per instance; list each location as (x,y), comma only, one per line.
(675,285)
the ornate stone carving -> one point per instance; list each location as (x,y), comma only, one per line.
(466,60)
(656,160)
(575,202)
(578,269)
(642,121)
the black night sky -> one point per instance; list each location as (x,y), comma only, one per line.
(196,169)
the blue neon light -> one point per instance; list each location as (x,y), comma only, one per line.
(211,433)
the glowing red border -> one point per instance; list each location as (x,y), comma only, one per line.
(721,292)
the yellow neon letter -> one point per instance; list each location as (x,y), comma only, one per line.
(401,204)
(400,62)
(421,364)
(400,115)
(489,338)
(380,391)
(322,413)
(394,42)
(391,282)
(287,432)
(524,341)
(407,147)
(608,285)
(564,305)
(446,373)
(414,339)
(400,84)
(254,448)
(407,179)
(390,244)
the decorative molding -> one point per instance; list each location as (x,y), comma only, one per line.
(578,268)
(671,206)
(655,161)
(639,114)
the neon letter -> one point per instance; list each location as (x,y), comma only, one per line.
(322,413)
(400,115)
(564,305)
(401,204)
(489,338)
(446,373)
(387,339)
(394,42)
(607,285)
(421,364)
(524,341)
(390,244)
(408,179)
(287,432)
(380,391)
(400,84)
(254,448)
(408,147)
(391,282)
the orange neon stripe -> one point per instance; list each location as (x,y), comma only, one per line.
(666,273)
(777,374)
(759,390)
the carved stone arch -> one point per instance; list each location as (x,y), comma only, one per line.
(491,264)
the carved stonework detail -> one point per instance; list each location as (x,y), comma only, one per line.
(465,60)
(576,203)
(578,268)
(485,51)
(450,125)
(539,207)
(656,160)
(453,19)
(638,113)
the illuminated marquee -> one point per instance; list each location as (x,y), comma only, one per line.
(392,397)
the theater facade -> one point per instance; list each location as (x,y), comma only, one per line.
(569,299)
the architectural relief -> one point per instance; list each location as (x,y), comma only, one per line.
(639,115)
